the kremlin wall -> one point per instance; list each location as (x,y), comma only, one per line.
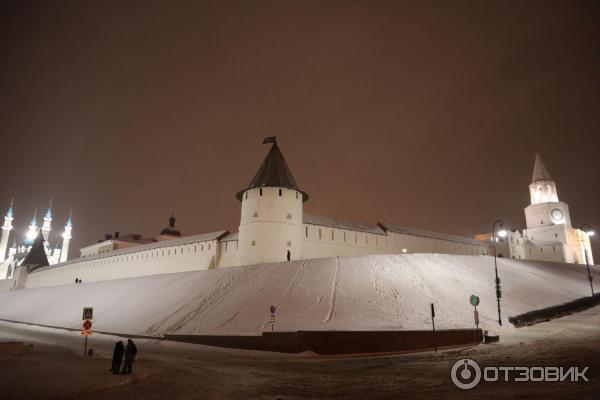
(274,228)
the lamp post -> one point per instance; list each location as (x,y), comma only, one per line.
(501,233)
(589,232)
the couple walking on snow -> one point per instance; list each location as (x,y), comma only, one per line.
(130,351)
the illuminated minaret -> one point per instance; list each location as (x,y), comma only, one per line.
(47,226)
(66,239)
(32,231)
(6,228)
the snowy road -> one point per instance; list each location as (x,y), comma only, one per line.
(53,368)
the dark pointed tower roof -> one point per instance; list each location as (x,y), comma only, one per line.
(170,230)
(540,173)
(273,172)
(36,257)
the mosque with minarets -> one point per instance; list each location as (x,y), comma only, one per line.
(11,257)
(274,228)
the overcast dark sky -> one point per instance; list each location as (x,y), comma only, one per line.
(424,114)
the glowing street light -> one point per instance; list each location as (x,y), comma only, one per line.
(590,233)
(502,233)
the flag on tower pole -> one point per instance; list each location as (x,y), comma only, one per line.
(270,139)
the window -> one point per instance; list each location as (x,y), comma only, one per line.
(306,231)
(319,233)
(556,235)
(332,237)
(280,193)
(253,243)
(288,216)
(296,195)
(356,238)
(542,222)
(225,246)
(255,215)
(288,243)
(344,236)
(246,195)
(261,191)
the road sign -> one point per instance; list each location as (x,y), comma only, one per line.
(88,313)
(474,300)
(87,325)
(86,333)
(273,309)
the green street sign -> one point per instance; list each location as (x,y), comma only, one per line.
(474,300)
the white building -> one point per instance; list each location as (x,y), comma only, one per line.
(14,256)
(273,228)
(549,235)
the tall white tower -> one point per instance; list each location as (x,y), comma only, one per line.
(64,252)
(271,217)
(545,209)
(47,226)
(32,231)
(549,235)
(6,228)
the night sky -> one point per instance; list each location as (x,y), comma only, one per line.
(423,114)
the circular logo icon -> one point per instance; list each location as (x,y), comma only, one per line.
(465,373)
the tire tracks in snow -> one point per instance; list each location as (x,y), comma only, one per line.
(333,290)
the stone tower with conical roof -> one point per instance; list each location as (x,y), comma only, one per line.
(545,209)
(549,235)
(271,218)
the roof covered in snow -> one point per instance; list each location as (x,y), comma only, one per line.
(431,235)
(273,172)
(230,237)
(333,222)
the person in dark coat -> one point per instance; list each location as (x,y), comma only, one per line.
(130,353)
(117,357)
(289,255)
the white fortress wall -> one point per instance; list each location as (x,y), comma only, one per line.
(193,253)
(228,251)
(325,241)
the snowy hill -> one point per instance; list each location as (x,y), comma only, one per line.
(388,292)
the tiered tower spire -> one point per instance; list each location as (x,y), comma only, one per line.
(47,226)
(64,252)
(6,228)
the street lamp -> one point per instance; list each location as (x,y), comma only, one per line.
(502,233)
(590,233)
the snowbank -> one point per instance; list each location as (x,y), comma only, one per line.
(378,292)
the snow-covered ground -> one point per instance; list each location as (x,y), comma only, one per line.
(359,293)
(53,368)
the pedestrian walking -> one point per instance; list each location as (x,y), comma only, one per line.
(130,353)
(117,357)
